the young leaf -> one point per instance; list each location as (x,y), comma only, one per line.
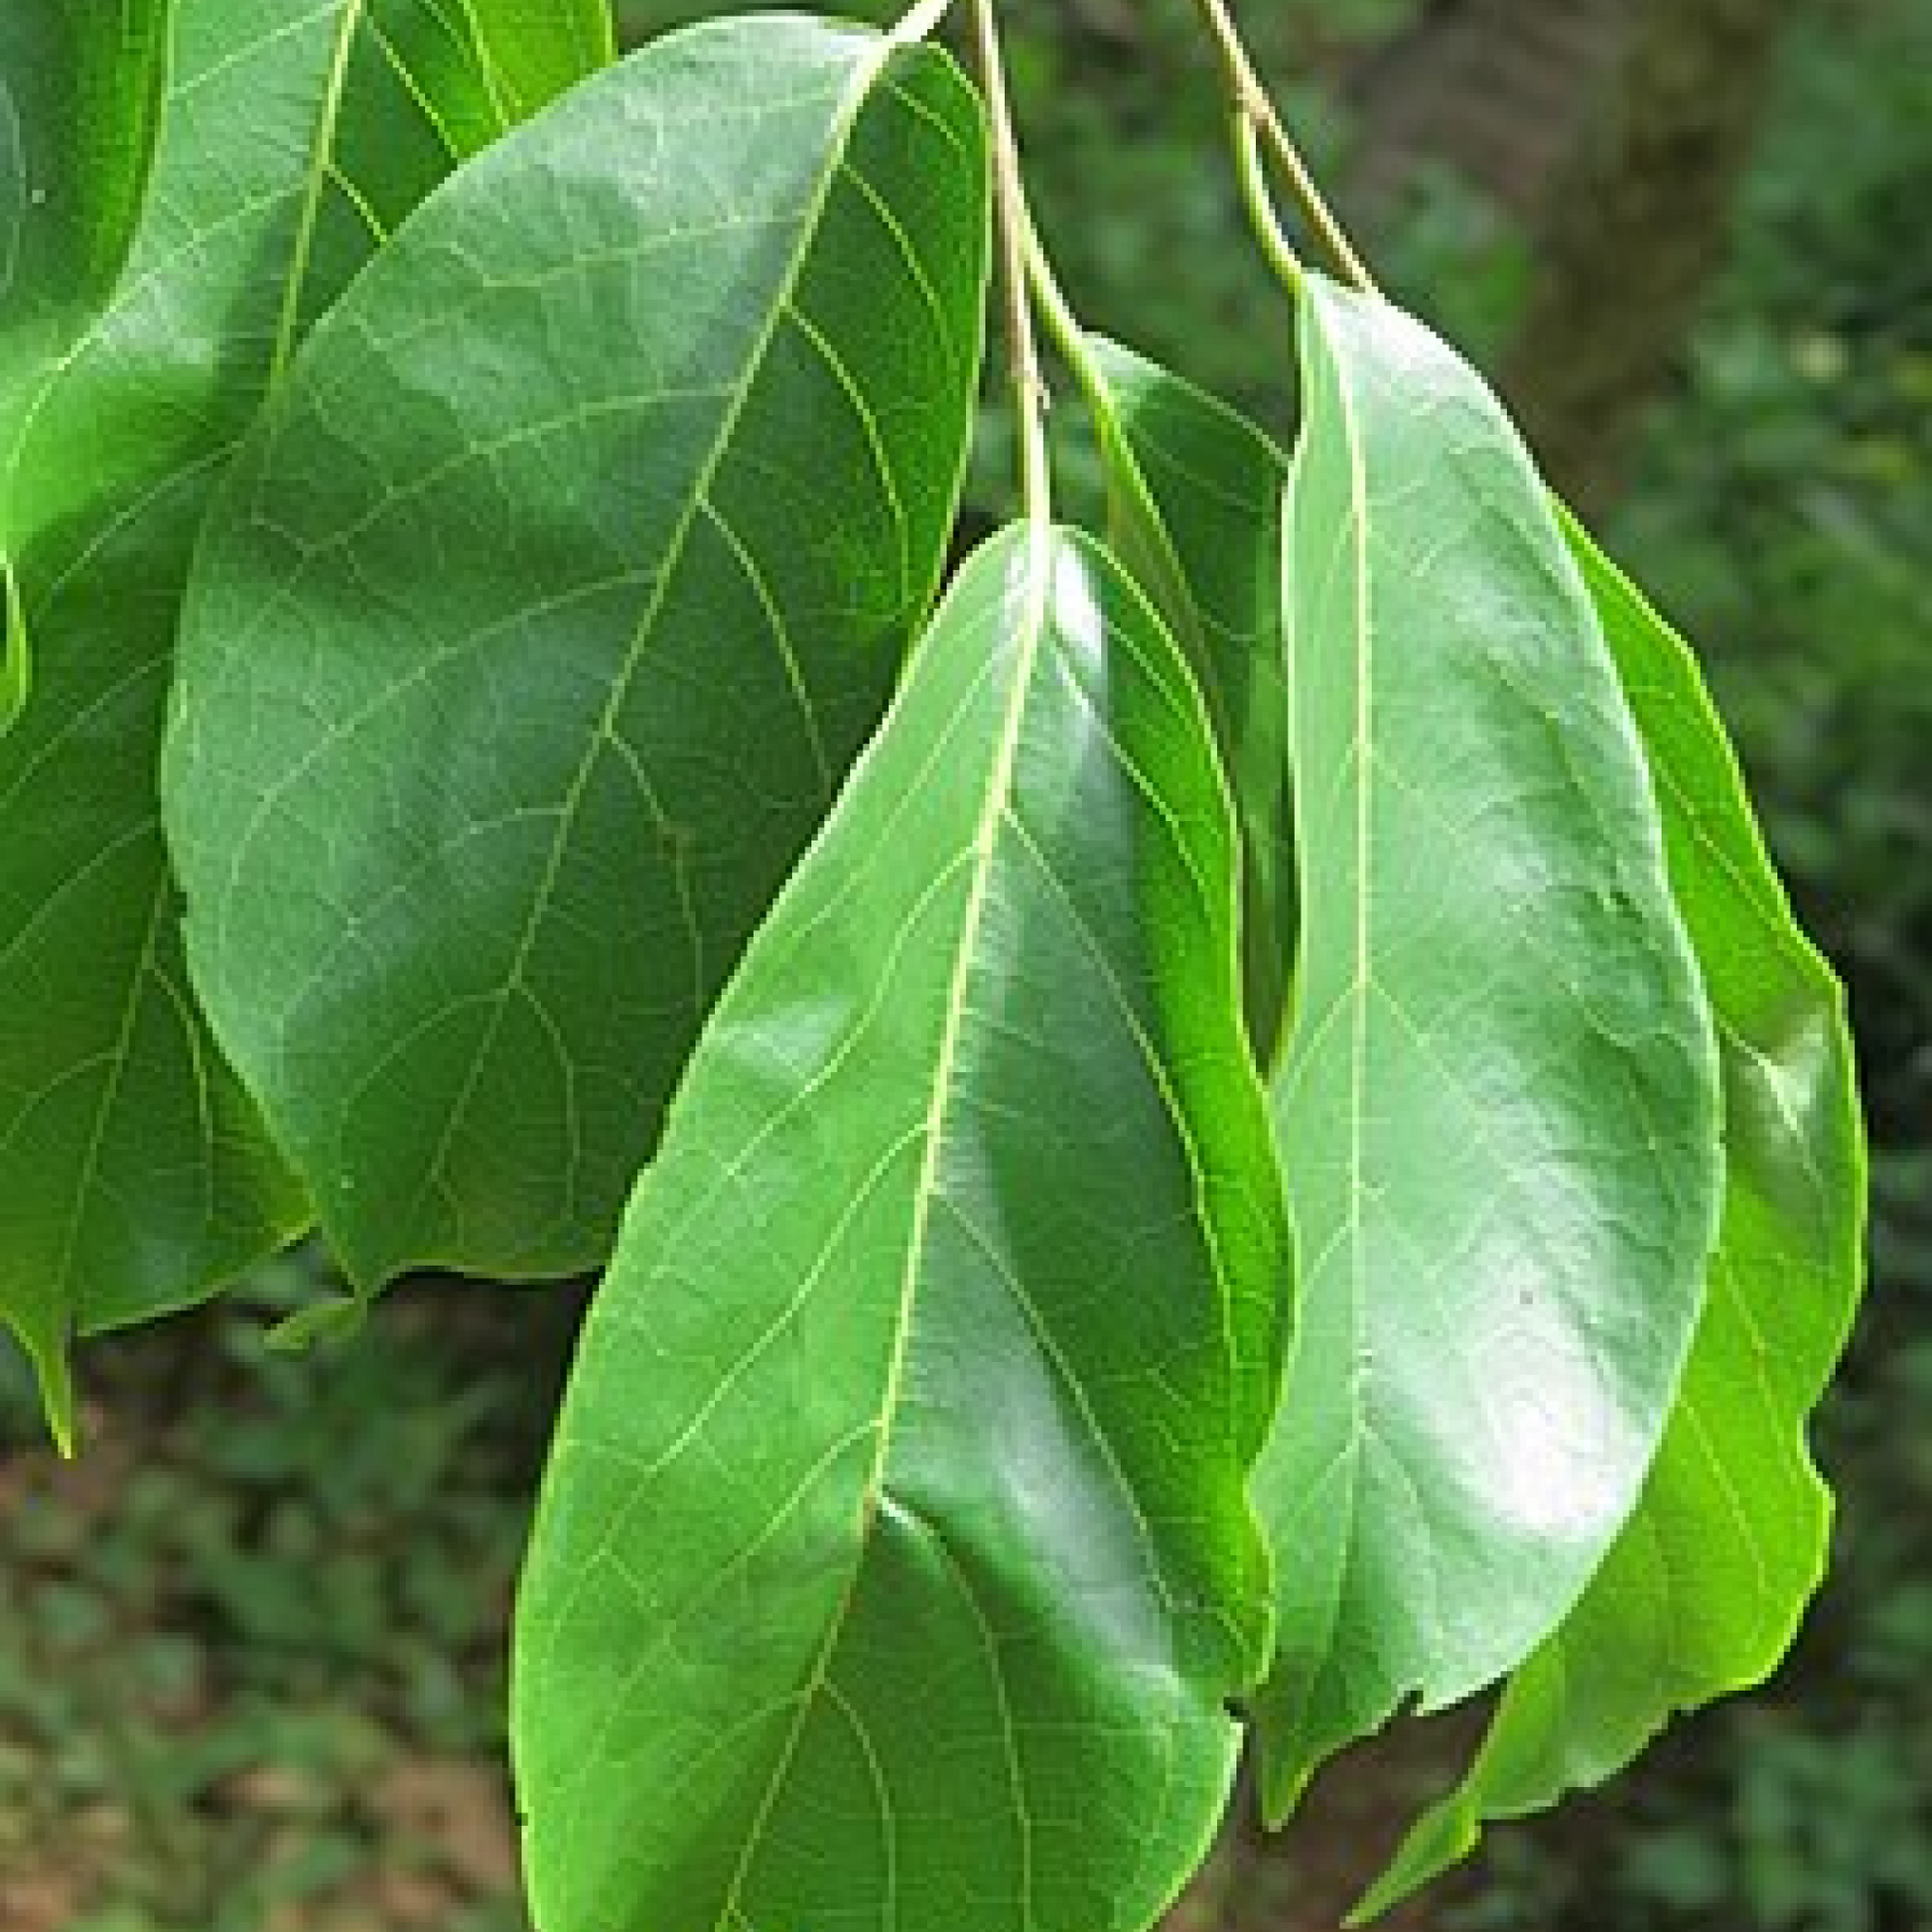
(894,1561)
(1498,1109)
(1701,1593)
(535,628)
(134,1171)
(1195,513)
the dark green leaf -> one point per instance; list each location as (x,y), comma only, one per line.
(78,91)
(133,1167)
(1701,1593)
(1195,509)
(1498,1110)
(426,84)
(894,1560)
(534,631)
(79,87)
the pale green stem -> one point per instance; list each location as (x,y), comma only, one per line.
(1252,174)
(1254,111)
(1009,204)
(1062,325)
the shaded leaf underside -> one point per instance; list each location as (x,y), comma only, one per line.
(1195,509)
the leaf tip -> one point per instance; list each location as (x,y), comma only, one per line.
(325,1323)
(1444,1836)
(54,1375)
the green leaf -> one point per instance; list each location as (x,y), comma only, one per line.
(533,633)
(1703,1589)
(425,84)
(79,91)
(1498,1109)
(895,1521)
(134,1169)
(1195,513)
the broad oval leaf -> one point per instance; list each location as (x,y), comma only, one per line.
(135,1174)
(1499,1108)
(535,628)
(894,1560)
(1701,1593)
(1195,513)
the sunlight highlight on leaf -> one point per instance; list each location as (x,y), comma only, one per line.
(1703,1591)
(1498,1109)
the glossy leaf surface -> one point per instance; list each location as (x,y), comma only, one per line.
(132,1165)
(1498,1109)
(538,622)
(894,1561)
(1701,1593)
(1195,513)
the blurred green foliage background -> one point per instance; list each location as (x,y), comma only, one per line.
(250,1649)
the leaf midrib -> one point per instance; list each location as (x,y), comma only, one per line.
(1344,1461)
(857,90)
(1039,541)
(1361,754)
(327,117)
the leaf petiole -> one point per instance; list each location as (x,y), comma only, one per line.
(1259,204)
(1258,127)
(1010,213)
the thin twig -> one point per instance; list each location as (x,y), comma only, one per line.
(1252,174)
(1253,108)
(1010,206)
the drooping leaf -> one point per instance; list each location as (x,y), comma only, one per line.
(894,1560)
(536,627)
(1701,1593)
(1499,1108)
(1195,513)
(133,1167)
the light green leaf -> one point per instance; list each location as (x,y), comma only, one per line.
(1498,1109)
(895,1524)
(1195,513)
(133,1166)
(1703,1589)
(537,628)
